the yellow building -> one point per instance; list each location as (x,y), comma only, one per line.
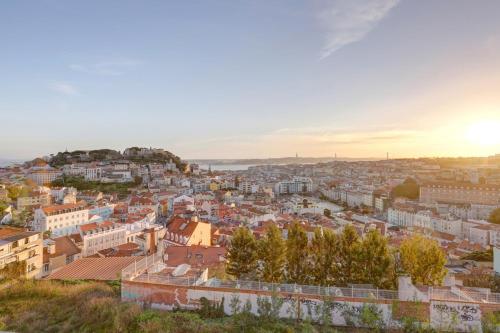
(214,186)
(18,245)
(182,231)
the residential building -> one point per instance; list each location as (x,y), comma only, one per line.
(100,236)
(460,193)
(182,231)
(33,199)
(61,219)
(58,252)
(18,245)
(296,185)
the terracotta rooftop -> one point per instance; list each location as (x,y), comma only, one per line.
(64,245)
(196,255)
(108,268)
(123,250)
(95,226)
(66,208)
(182,227)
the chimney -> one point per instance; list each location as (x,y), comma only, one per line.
(51,248)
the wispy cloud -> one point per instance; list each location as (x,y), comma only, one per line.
(111,67)
(64,88)
(330,136)
(348,21)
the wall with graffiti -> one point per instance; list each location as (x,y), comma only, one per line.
(453,316)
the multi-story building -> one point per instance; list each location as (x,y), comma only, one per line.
(248,187)
(17,246)
(93,173)
(460,193)
(58,252)
(182,231)
(100,236)
(296,185)
(61,219)
(43,176)
(36,198)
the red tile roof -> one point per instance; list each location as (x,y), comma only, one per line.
(94,269)
(59,209)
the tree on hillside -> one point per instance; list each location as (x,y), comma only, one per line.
(423,260)
(242,254)
(408,189)
(324,248)
(375,261)
(347,257)
(272,255)
(495,216)
(296,254)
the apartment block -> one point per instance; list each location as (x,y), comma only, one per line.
(61,220)
(19,245)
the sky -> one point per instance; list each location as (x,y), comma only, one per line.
(251,79)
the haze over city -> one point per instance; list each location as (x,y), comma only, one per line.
(251,79)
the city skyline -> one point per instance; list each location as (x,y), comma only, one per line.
(251,79)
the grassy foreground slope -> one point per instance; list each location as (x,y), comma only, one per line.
(51,306)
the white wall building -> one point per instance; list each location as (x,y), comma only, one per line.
(61,220)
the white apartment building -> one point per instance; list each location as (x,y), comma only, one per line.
(100,236)
(93,174)
(61,220)
(43,177)
(296,185)
(73,170)
(248,187)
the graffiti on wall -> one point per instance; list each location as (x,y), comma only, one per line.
(461,316)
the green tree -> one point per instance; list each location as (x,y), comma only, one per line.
(375,261)
(347,257)
(324,249)
(423,260)
(272,255)
(495,216)
(15,192)
(242,254)
(297,254)
(408,189)
(3,206)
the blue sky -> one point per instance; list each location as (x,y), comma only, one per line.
(224,79)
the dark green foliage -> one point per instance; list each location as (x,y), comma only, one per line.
(272,255)
(297,253)
(76,156)
(94,307)
(486,255)
(375,261)
(82,185)
(210,309)
(268,308)
(408,189)
(13,270)
(348,255)
(491,322)
(323,256)
(242,254)
(495,216)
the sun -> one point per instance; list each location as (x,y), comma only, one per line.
(484,133)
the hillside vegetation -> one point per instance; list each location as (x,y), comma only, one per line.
(52,306)
(99,155)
